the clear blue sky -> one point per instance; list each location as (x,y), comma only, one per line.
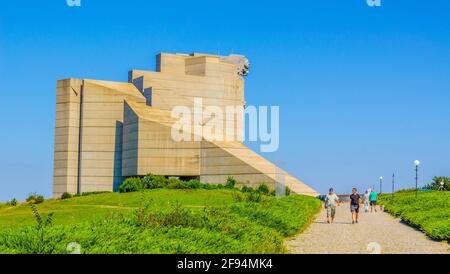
(362,91)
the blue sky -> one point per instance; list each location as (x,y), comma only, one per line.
(362,91)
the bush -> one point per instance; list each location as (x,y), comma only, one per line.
(13,202)
(253,197)
(66,195)
(176,184)
(194,184)
(429,212)
(147,180)
(249,196)
(436,184)
(37,239)
(213,186)
(231,183)
(247,189)
(35,199)
(91,193)
(281,214)
(288,191)
(155,181)
(263,189)
(131,185)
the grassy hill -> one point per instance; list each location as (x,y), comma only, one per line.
(157,221)
(429,212)
(93,207)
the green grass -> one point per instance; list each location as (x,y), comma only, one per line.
(158,221)
(93,207)
(430,212)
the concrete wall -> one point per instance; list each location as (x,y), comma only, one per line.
(149,147)
(65,171)
(106,131)
(90,159)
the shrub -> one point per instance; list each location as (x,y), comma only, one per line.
(41,241)
(194,184)
(436,184)
(160,181)
(213,186)
(148,181)
(151,181)
(247,189)
(155,181)
(281,214)
(264,189)
(231,182)
(94,193)
(131,185)
(249,196)
(66,195)
(288,191)
(35,199)
(13,202)
(90,193)
(238,196)
(254,197)
(178,216)
(175,183)
(429,212)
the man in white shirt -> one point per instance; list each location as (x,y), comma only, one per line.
(331,200)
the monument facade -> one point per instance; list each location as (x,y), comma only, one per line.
(108,131)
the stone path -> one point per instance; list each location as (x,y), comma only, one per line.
(375,233)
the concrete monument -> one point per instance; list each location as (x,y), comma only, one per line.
(107,131)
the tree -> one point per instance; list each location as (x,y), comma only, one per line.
(437,183)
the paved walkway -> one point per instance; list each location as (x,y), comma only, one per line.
(375,233)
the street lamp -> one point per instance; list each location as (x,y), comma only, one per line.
(381,185)
(393,184)
(417,164)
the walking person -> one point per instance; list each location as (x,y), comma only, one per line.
(331,200)
(366,199)
(373,200)
(354,205)
(442,186)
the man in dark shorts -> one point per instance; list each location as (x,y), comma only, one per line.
(354,205)
(373,200)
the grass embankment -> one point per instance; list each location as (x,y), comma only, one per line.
(430,212)
(157,221)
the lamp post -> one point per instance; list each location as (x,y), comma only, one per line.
(393,184)
(381,185)
(417,164)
